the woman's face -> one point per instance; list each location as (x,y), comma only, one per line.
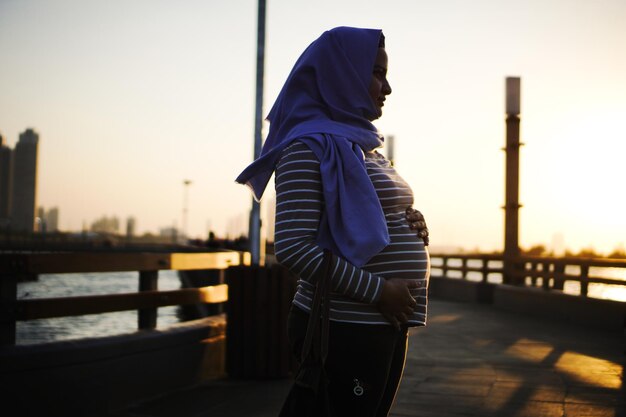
(379,86)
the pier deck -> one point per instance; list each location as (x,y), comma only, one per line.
(472,360)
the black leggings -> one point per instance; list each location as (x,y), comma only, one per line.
(362,359)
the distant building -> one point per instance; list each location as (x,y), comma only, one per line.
(169,232)
(106,225)
(52,219)
(48,219)
(131,224)
(6,182)
(24,192)
(40,220)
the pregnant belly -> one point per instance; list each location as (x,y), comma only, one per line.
(405,257)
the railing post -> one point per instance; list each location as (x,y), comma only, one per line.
(535,268)
(559,274)
(485,269)
(464,268)
(8,303)
(147,317)
(444,266)
(545,273)
(584,280)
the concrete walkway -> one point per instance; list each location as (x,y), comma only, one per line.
(471,360)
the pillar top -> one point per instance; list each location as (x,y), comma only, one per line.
(513,95)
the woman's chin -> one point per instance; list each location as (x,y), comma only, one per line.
(376,115)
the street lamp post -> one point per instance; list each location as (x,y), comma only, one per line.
(254,233)
(186,184)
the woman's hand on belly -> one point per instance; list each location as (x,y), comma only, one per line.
(395,302)
(417,222)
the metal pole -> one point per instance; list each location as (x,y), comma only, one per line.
(185,197)
(511,206)
(254,235)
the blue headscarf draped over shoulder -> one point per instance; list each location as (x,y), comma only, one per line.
(325,103)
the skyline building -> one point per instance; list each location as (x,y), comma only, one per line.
(131,224)
(48,219)
(24,193)
(40,220)
(6,177)
(106,225)
(52,219)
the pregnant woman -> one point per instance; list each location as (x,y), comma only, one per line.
(334,191)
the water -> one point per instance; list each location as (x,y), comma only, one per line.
(609,292)
(99,325)
(93,325)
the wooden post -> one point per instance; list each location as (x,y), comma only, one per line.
(147,317)
(485,269)
(547,272)
(584,280)
(536,267)
(559,271)
(8,304)
(511,205)
(464,268)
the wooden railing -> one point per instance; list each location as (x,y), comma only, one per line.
(549,273)
(146,301)
(545,272)
(442,264)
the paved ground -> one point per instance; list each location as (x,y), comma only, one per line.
(471,360)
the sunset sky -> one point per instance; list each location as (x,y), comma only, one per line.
(130,98)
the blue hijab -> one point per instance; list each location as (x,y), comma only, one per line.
(325,103)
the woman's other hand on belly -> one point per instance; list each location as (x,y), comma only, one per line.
(396,302)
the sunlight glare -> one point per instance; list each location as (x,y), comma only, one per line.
(591,370)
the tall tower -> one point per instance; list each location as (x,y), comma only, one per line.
(6,176)
(24,199)
(511,204)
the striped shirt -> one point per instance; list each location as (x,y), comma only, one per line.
(355,291)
